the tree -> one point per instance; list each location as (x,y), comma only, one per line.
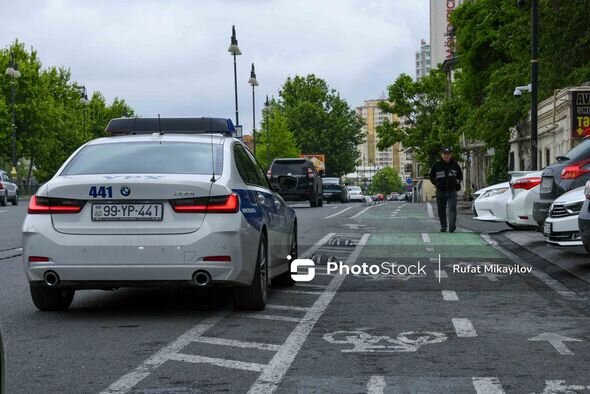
(322,122)
(428,117)
(385,181)
(274,139)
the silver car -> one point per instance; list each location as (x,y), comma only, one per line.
(158,209)
(8,189)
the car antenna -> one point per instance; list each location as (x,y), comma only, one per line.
(212,157)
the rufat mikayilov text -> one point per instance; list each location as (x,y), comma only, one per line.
(491,269)
(385,268)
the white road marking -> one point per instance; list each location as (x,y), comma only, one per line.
(429,210)
(317,245)
(430,249)
(543,277)
(557,341)
(263,316)
(487,386)
(4,210)
(441,274)
(128,381)
(450,295)
(297,291)
(235,343)
(287,307)
(433,260)
(376,385)
(464,328)
(338,213)
(220,362)
(559,386)
(273,373)
(361,212)
(426,238)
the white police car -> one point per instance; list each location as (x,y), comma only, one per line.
(167,206)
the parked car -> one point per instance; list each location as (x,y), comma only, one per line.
(584,219)
(200,212)
(571,171)
(561,228)
(491,203)
(524,192)
(309,183)
(8,189)
(356,193)
(334,190)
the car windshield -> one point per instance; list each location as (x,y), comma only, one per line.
(286,167)
(146,157)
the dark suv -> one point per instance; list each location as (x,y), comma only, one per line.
(571,170)
(309,184)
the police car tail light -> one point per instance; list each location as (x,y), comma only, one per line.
(212,204)
(525,183)
(46,205)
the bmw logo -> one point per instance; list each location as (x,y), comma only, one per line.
(125,191)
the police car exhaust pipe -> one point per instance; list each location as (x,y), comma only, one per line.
(50,278)
(201,278)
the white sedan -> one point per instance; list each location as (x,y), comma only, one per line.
(561,227)
(162,209)
(491,204)
(524,192)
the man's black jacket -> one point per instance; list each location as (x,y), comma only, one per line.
(446,176)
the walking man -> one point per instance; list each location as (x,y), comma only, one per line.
(446,175)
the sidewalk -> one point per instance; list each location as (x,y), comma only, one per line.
(577,264)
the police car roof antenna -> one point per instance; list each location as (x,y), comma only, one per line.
(212,159)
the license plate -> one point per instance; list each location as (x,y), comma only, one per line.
(127,212)
(547,228)
(547,183)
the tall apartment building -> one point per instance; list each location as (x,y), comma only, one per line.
(373,159)
(441,39)
(423,60)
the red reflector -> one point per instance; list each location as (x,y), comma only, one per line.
(40,205)
(217,258)
(38,259)
(1,186)
(525,183)
(216,204)
(524,217)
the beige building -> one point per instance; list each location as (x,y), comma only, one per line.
(371,158)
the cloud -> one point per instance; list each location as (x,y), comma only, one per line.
(170,57)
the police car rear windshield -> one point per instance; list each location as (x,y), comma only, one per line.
(147,158)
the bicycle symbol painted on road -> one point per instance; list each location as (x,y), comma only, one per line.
(363,342)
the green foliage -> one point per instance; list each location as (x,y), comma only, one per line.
(49,116)
(385,181)
(430,120)
(322,122)
(275,139)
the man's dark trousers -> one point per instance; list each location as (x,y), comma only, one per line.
(444,199)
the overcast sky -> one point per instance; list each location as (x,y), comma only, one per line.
(170,57)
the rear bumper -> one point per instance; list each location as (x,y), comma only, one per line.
(89,261)
(541,210)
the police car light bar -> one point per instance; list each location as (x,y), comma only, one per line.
(130,126)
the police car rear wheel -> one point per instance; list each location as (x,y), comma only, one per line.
(285,278)
(47,299)
(253,297)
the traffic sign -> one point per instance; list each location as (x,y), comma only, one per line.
(409,181)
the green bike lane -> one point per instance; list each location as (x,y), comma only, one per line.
(458,328)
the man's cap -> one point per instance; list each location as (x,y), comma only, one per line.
(447,149)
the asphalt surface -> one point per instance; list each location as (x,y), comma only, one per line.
(442,331)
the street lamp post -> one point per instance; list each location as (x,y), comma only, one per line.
(12,71)
(84,101)
(267,108)
(235,51)
(534,80)
(252,81)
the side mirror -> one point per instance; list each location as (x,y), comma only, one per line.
(285,184)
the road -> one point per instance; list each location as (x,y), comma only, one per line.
(452,329)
